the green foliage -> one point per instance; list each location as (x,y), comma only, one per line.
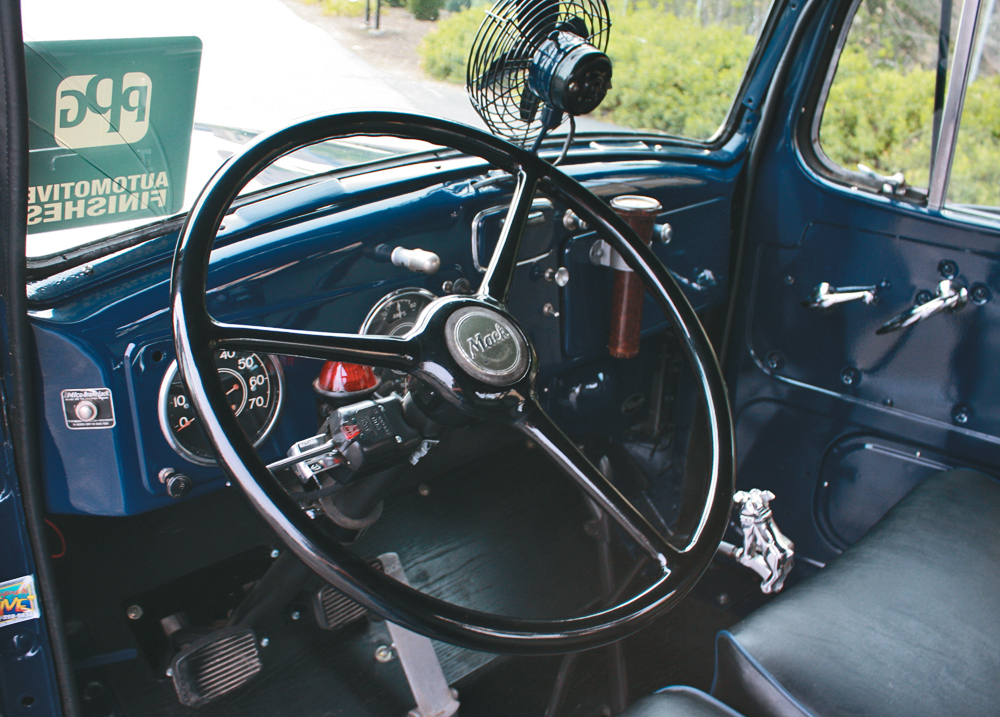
(445,51)
(396,3)
(344,8)
(426,9)
(672,74)
(879,116)
(975,172)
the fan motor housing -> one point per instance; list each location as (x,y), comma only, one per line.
(570,74)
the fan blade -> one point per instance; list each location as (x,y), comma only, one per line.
(537,20)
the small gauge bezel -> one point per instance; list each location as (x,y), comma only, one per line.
(180,448)
(391,297)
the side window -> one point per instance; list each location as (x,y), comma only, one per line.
(975,169)
(889,88)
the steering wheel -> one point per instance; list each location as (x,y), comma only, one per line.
(497,383)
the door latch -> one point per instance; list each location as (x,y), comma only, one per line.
(950,296)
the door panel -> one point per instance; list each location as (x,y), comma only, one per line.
(839,421)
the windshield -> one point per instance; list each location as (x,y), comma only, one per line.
(258,65)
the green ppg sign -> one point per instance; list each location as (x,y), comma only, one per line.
(110,129)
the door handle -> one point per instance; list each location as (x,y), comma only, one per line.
(949,297)
(824,296)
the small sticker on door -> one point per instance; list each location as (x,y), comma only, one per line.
(18,601)
(88,408)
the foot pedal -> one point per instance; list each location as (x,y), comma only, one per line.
(334,610)
(215,665)
(421,666)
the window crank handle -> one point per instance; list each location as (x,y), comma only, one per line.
(824,296)
(949,297)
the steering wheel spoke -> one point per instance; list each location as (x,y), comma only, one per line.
(537,425)
(500,272)
(382,351)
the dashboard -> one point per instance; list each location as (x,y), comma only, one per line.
(315,257)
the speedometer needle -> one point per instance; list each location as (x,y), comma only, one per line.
(235,387)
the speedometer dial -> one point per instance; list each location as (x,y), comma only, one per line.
(253,386)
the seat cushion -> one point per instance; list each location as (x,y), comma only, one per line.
(679,702)
(905,622)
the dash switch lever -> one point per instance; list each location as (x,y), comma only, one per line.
(418,260)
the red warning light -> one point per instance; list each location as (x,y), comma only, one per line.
(339,377)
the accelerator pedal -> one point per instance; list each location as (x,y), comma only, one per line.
(431,692)
(215,665)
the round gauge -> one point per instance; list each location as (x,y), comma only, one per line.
(396,313)
(253,385)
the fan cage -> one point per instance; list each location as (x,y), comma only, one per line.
(497,73)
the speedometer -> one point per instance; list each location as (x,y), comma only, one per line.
(253,386)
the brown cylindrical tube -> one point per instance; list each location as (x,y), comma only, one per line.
(628,290)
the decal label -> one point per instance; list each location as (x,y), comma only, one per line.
(110,129)
(18,601)
(88,408)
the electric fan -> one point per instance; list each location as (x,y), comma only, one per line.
(535,61)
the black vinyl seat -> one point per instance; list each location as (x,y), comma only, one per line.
(904,623)
(679,702)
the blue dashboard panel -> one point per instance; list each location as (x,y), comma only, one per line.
(306,259)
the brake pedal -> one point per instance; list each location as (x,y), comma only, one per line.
(334,610)
(215,665)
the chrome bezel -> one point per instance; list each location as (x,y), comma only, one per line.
(388,299)
(179,447)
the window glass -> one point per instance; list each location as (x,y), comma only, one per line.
(880,109)
(265,63)
(975,170)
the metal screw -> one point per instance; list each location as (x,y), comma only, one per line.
(296,615)
(924,296)
(948,269)
(789,279)
(961,413)
(980,293)
(275,553)
(774,361)
(722,599)
(888,402)
(850,376)
(264,642)
(134,612)
(423,490)
(385,653)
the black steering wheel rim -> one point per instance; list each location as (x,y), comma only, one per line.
(197,335)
